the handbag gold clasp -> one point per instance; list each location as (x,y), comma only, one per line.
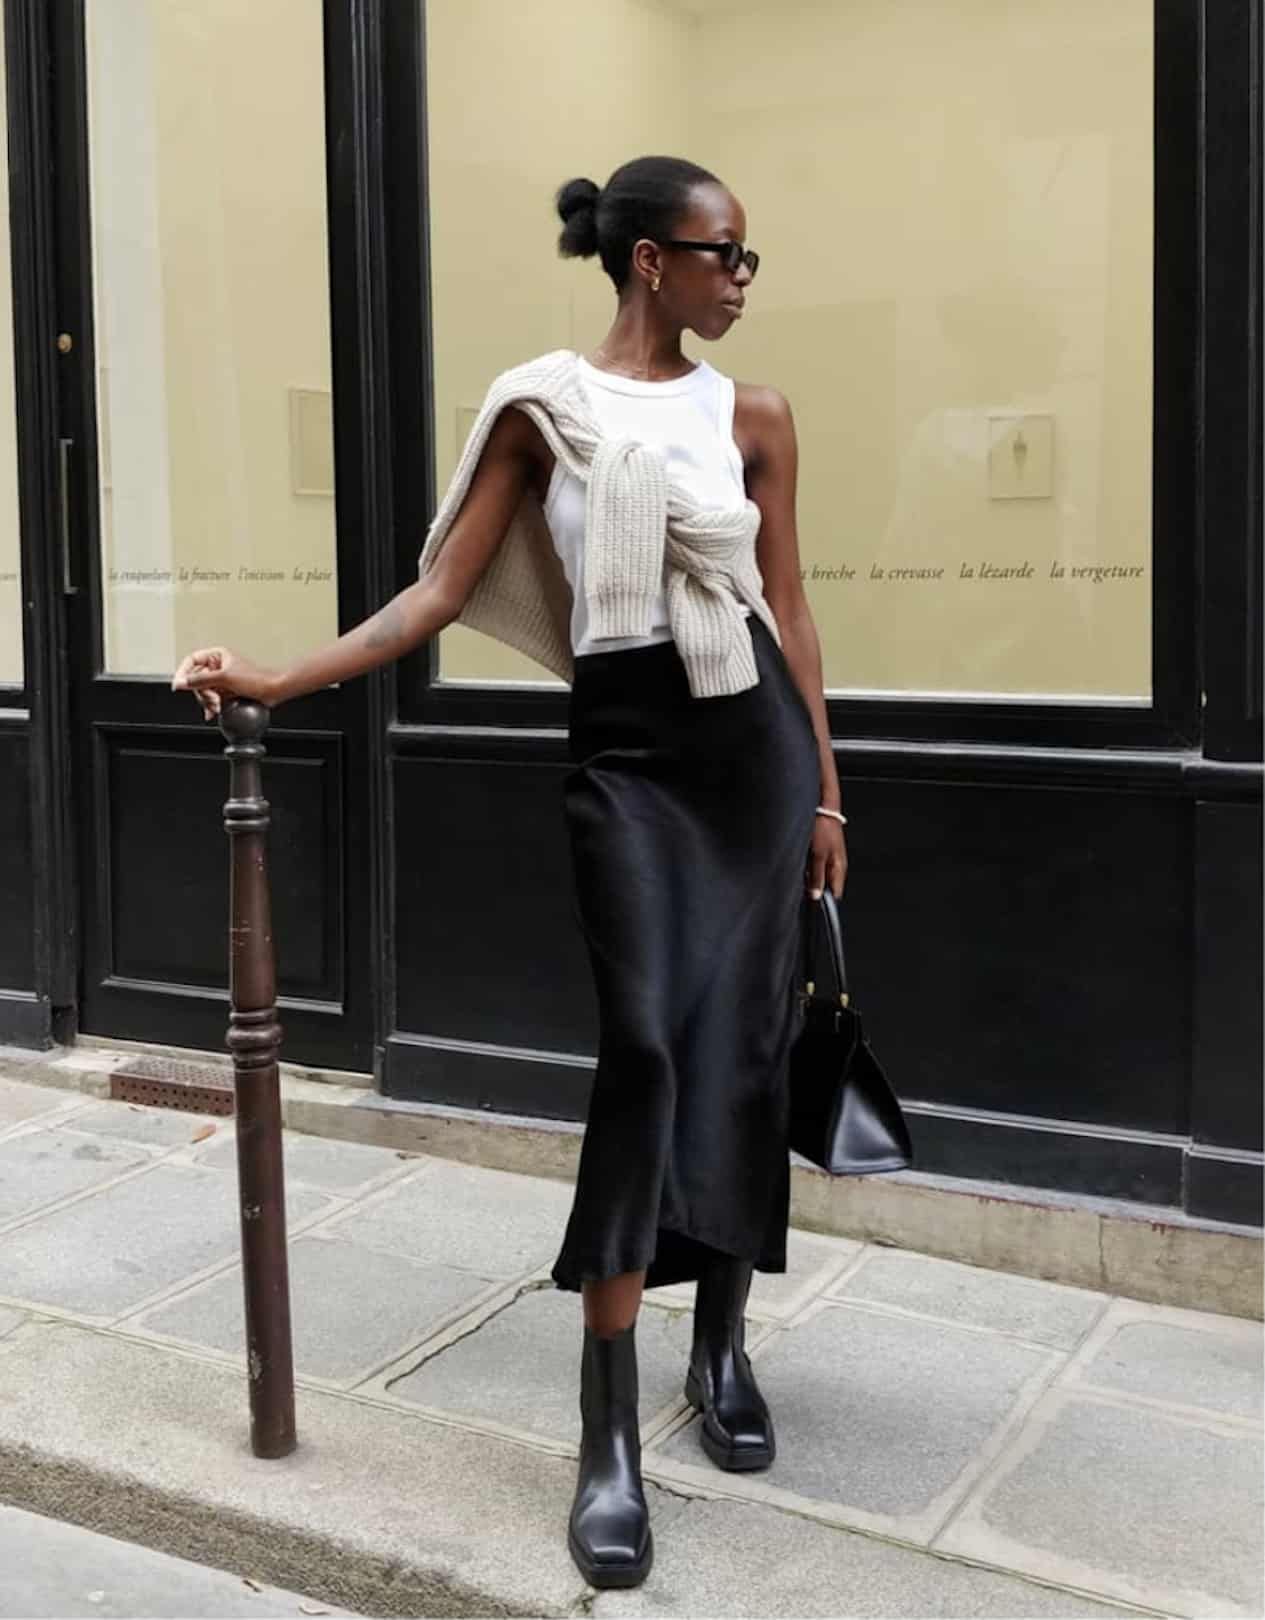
(810,987)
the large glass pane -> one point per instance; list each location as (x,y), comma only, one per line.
(10,549)
(212,317)
(954,208)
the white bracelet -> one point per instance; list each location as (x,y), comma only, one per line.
(822,811)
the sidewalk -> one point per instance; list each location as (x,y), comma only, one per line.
(951,1441)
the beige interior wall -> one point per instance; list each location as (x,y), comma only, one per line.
(954,204)
(10,548)
(522,98)
(208,148)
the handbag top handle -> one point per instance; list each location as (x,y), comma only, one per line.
(827,908)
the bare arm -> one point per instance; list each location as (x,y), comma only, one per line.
(766,430)
(419,611)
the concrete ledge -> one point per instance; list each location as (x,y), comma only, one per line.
(1138,1251)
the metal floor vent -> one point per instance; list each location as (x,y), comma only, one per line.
(191,1088)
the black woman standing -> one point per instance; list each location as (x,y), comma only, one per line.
(628,520)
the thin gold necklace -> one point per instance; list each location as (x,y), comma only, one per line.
(600,354)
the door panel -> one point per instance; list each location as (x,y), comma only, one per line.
(211,310)
(196,424)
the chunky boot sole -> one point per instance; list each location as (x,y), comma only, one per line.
(724,1453)
(597,1574)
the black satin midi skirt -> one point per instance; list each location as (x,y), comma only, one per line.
(690,822)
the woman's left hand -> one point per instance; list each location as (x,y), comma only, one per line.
(828,859)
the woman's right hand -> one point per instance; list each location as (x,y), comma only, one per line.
(214,673)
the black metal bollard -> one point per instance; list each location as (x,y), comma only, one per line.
(254,1038)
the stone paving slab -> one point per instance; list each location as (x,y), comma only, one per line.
(812,1261)
(352,1310)
(491,1222)
(345,1168)
(540,1336)
(1185,1358)
(20,1102)
(148,1127)
(56,1571)
(1042,1312)
(1130,1502)
(884,1415)
(42,1166)
(111,1251)
(730,1558)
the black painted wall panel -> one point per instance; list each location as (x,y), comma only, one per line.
(167,882)
(488,945)
(1228,1059)
(1002,944)
(985,1147)
(17,919)
(1023,950)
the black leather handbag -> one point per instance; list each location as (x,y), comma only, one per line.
(844,1116)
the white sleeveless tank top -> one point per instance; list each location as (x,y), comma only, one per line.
(692,418)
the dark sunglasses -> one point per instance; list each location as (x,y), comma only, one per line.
(732,253)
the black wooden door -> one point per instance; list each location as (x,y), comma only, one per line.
(195,404)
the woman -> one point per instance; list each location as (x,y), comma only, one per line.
(628,519)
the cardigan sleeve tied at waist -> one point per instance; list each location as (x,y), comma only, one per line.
(625,527)
(636,520)
(711,574)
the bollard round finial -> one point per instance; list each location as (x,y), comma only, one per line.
(244,719)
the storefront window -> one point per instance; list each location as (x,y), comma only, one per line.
(212,329)
(10,552)
(954,208)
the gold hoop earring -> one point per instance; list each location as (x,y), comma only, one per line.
(654,285)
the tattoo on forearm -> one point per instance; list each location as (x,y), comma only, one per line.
(386,628)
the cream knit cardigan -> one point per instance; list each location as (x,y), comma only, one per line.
(641,530)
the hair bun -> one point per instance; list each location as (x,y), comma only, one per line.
(577,209)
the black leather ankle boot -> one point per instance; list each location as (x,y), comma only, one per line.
(609,1532)
(737,1431)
